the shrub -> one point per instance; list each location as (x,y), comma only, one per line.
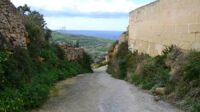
(18,68)
(4,55)
(192,68)
(168,49)
(85,62)
(134,59)
(117,65)
(187,89)
(152,75)
(11,101)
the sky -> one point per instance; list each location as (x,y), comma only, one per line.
(106,15)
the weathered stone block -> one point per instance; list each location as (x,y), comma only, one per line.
(197,37)
(182,28)
(194,28)
(198,19)
(160,91)
(196,45)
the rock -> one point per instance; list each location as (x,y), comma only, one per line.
(160,91)
(156,98)
(175,61)
(139,69)
(12,28)
(40,59)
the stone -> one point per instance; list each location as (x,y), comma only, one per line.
(40,59)
(175,60)
(160,91)
(139,69)
(157,98)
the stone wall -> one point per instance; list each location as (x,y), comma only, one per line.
(72,53)
(163,23)
(12,30)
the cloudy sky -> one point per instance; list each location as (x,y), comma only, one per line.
(85,14)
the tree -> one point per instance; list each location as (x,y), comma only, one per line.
(35,24)
(24,9)
(77,43)
(48,34)
(37,18)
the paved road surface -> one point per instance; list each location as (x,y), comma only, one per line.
(98,92)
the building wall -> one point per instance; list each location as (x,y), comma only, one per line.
(163,23)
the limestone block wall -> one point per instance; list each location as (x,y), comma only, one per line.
(163,23)
(12,30)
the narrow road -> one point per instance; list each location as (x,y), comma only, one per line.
(98,92)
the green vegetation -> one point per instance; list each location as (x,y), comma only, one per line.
(151,74)
(117,65)
(27,75)
(176,71)
(99,64)
(96,47)
(188,88)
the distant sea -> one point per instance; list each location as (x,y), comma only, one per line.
(113,35)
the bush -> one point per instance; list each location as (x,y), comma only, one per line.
(18,68)
(11,101)
(117,65)
(192,69)
(3,57)
(152,74)
(85,62)
(187,89)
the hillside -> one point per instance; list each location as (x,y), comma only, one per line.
(96,47)
(113,35)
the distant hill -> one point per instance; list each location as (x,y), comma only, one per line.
(113,35)
(96,47)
